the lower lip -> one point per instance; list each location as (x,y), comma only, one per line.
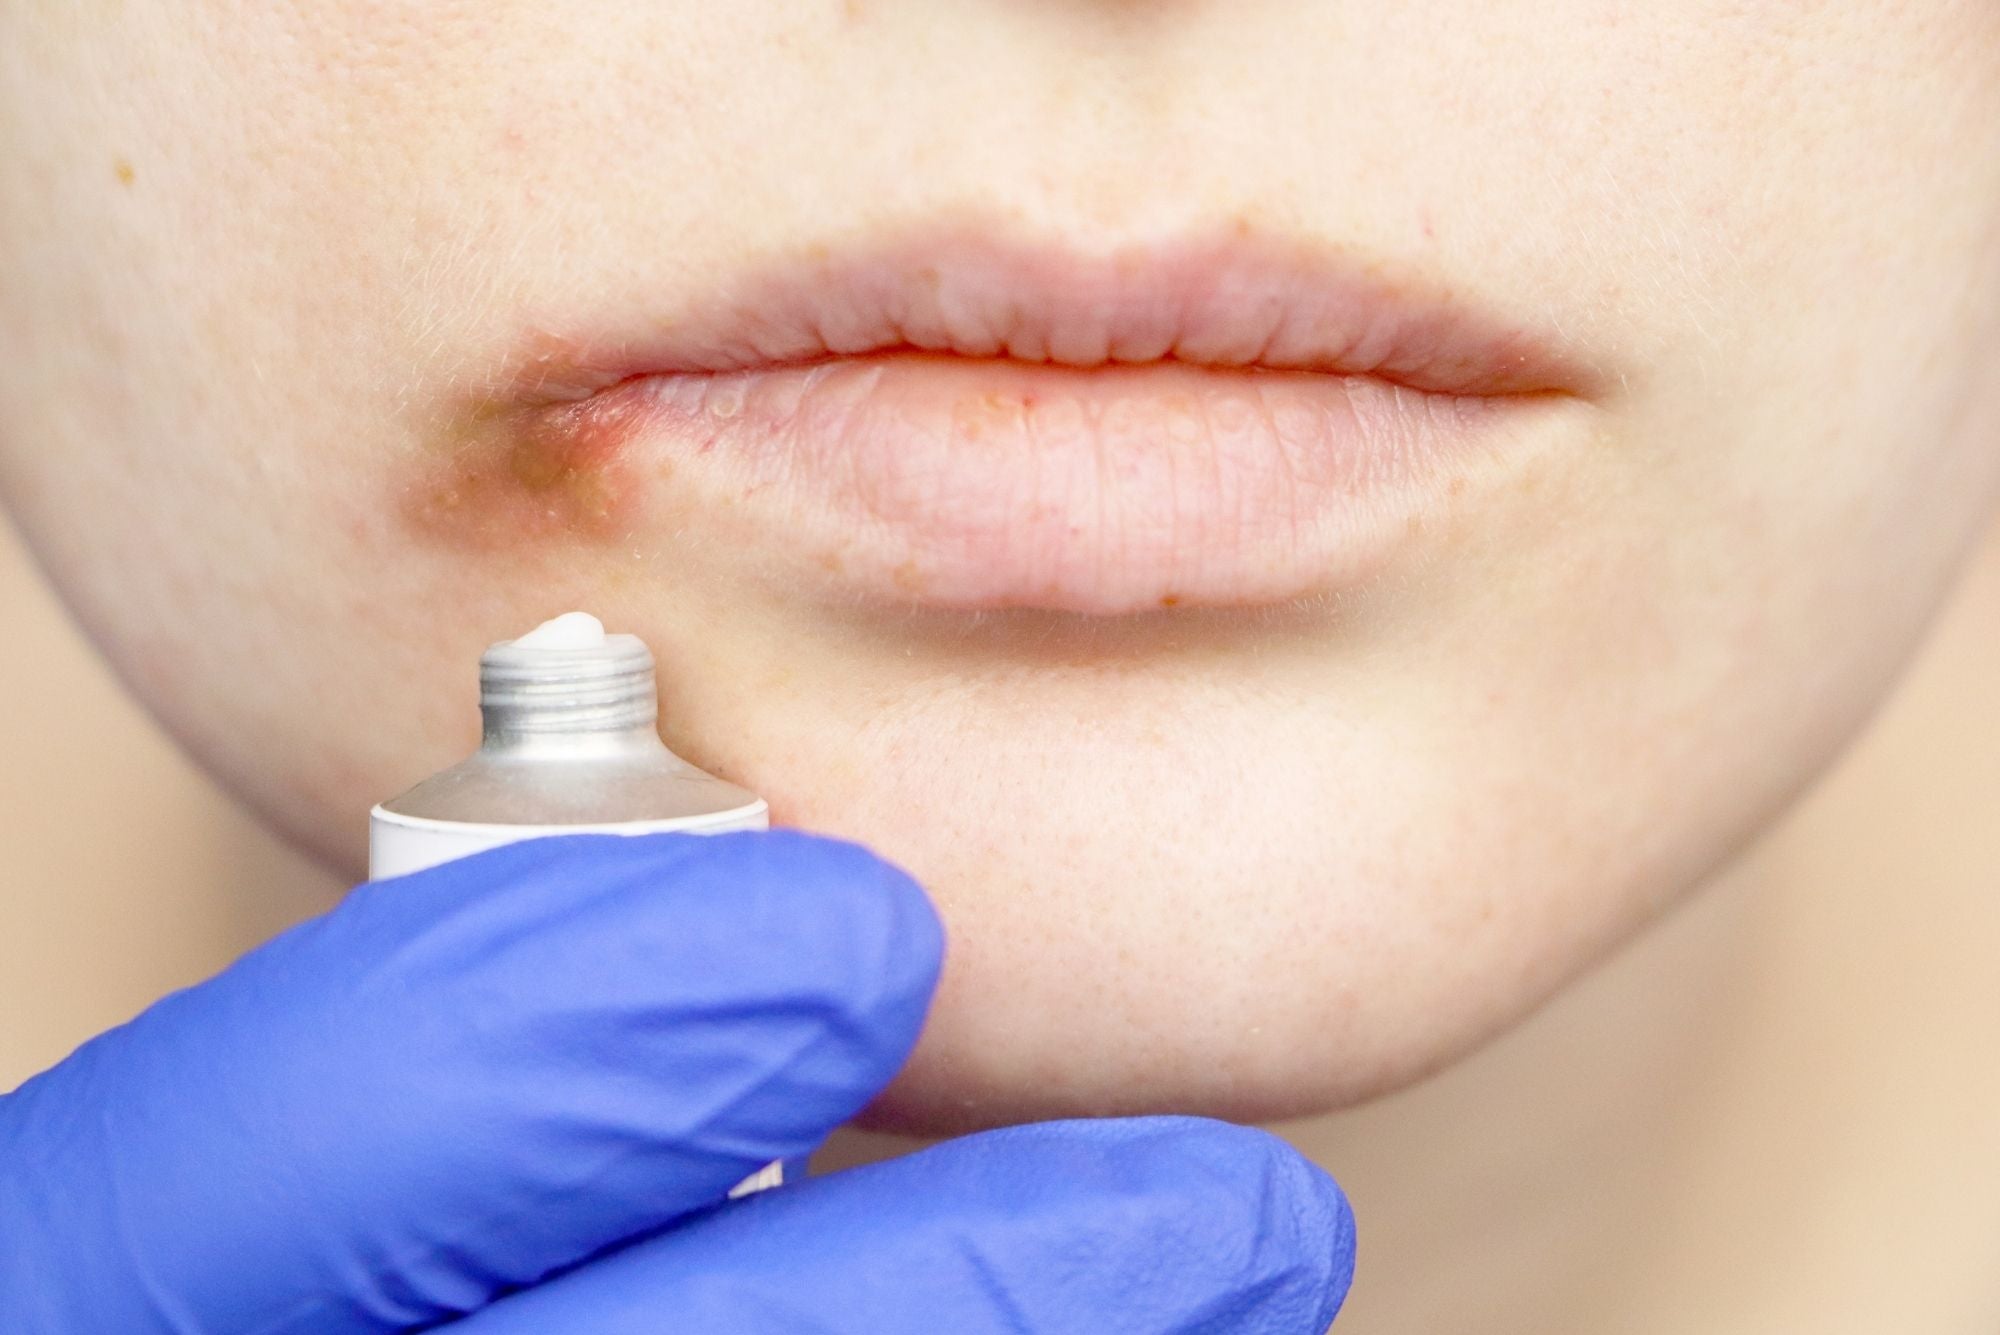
(973,484)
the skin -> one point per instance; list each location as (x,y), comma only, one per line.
(1257,866)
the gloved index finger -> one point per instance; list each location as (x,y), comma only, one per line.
(460,1081)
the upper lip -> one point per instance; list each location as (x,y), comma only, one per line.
(1226,297)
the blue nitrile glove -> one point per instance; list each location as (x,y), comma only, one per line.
(518,1086)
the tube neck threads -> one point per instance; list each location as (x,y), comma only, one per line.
(604,688)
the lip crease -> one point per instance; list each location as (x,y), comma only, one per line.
(951,418)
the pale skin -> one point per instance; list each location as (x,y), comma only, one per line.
(248,260)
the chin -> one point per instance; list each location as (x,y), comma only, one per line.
(1254,951)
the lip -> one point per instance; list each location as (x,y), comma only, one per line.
(952,418)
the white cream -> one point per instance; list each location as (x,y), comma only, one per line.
(571,630)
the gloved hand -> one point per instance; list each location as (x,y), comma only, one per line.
(516,1089)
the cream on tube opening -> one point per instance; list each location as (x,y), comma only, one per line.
(571,630)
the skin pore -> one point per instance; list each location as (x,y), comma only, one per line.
(1257,862)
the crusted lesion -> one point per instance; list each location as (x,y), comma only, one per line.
(507,476)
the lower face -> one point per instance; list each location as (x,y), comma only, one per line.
(1251,834)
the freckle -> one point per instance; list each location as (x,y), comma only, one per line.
(907,577)
(1456,486)
(853,11)
(124,171)
(1170,600)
